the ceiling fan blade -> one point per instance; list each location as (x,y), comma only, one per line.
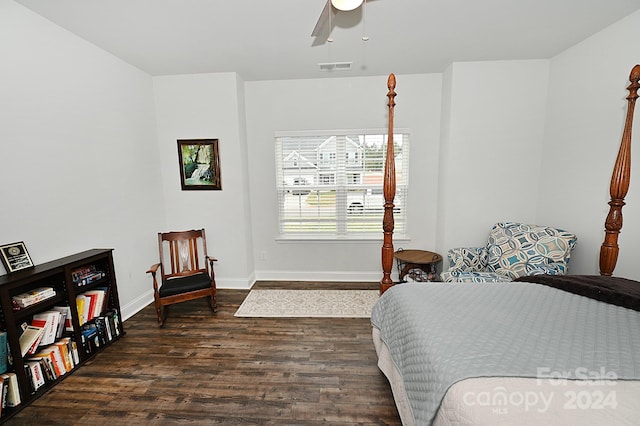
(322,24)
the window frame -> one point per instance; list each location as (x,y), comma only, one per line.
(340,179)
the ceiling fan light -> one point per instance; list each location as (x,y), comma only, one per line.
(346,5)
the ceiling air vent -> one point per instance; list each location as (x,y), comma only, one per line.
(335,66)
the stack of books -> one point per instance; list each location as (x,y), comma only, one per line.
(86,275)
(91,304)
(34,296)
(51,362)
(46,327)
(103,329)
(53,322)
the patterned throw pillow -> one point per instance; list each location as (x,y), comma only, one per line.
(474,277)
(516,249)
(468,258)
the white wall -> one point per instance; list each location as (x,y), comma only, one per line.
(208,106)
(83,164)
(493,123)
(586,112)
(78,155)
(327,104)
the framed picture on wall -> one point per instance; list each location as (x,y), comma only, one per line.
(15,257)
(199,164)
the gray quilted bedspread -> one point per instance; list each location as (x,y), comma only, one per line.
(439,334)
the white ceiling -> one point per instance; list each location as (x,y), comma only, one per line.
(271,39)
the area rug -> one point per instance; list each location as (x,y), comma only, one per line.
(308,303)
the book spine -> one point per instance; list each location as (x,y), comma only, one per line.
(3,352)
(45,366)
(57,359)
(102,330)
(68,363)
(13,392)
(90,339)
(35,372)
(113,317)
(5,386)
(74,352)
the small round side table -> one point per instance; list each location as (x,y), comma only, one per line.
(420,265)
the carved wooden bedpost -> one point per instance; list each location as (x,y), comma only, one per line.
(619,184)
(389,190)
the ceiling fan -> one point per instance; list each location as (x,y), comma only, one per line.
(331,8)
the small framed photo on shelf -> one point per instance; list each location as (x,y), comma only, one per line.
(199,164)
(15,257)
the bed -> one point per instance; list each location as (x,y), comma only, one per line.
(540,350)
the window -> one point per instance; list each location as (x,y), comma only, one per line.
(330,184)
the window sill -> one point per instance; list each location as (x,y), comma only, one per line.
(303,239)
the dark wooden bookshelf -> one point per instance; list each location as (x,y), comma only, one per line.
(59,275)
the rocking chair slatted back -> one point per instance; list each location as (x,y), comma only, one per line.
(186,252)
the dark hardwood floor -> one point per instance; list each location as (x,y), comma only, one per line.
(204,368)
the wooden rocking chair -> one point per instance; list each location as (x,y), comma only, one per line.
(186,271)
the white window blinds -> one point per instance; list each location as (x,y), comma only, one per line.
(330,185)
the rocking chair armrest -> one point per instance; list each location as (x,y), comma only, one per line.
(153,269)
(210,261)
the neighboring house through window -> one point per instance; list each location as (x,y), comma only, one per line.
(330,184)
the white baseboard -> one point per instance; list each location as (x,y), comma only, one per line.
(235,283)
(136,305)
(318,276)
